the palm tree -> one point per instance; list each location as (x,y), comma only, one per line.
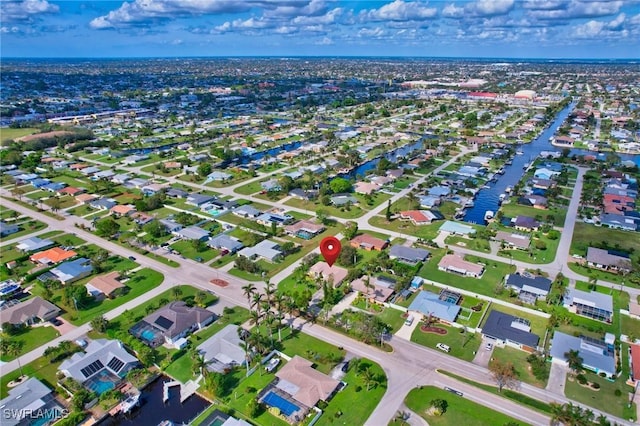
(199,365)
(280,301)
(574,360)
(367,284)
(368,377)
(176,292)
(249,290)
(14,348)
(256,301)
(412,198)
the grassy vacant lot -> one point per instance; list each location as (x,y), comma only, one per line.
(534,255)
(513,210)
(139,283)
(393,317)
(460,411)
(519,360)
(187,249)
(463,345)
(477,244)
(426,232)
(586,234)
(7,133)
(31,339)
(355,402)
(494,274)
(604,398)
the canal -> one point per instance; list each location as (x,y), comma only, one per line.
(488,199)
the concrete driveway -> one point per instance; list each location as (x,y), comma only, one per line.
(406,331)
(483,356)
(557,378)
(64,328)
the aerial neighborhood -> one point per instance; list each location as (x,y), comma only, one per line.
(161,225)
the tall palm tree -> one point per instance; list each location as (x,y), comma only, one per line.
(14,348)
(256,301)
(249,289)
(280,301)
(199,365)
(574,360)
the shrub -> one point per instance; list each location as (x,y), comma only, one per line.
(595,385)
(581,379)
(617,392)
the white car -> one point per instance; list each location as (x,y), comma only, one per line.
(489,346)
(443,347)
(272,364)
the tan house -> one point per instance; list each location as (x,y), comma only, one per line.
(309,385)
(106,284)
(122,210)
(457,265)
(332,273)
(29,312)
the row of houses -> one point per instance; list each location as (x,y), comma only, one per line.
(619,202)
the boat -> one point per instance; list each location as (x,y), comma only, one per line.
(500,172)
(519,153)
(469,204)
(501,198)
(526,166)
(488,215)
(508,190)
(509,162)
(129,403)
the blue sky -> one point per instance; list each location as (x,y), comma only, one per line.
(477,28)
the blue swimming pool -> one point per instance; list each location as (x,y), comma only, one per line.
(102,382)
(148,335)
(287,408)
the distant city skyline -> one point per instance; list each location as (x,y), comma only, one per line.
(554,29)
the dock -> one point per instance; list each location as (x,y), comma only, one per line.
(186,389)
(165,389)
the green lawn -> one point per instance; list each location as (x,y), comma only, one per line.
(250,188)
(186,249)
(477,244)
(355,402)
(463,345)
(630,326)
(26,228)
(519,360)
(426,232)
(513,210)
(139,283)
(7,133)
(460,411)
(31,339)
(312,206)
(393,317)
(603,399)
(323,354)
(585,235)
(494,274)
(41,368)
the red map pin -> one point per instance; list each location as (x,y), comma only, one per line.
(330,248)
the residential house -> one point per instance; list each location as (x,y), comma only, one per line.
(52,256)
(170,225)
(339,200)
(368,242)
(136,183)
(305,195)
(171,323)
(395,173)
(333,273)
(374,292)
(535,201)
(518,241)
(107,285)
(29,312)
(420,217)
(510,330)
(9,287)
(103,361)
(528,288)
(439,191)
(8,228)
(123,210)
(432,305)
(525,223)
(268,218)
(104,174)
(456,228)
(305,384)
(456,264)
(192,233)
(365,188)
(304,229)
(597,355)
(217,176)
(429,201)
(618,221)
(219,205)
(545,173)
(271,185)
(224,242)
(634,361)
(69,271)
(223,350)
(142,218)
(199,199)
(121,178)
(71,191)
(604,259)
(594,305)
(408,255)
(33,244)
(103,203)
(85,199)
(267,250)
(177,193)
(246,211)
(28,401)
(153,188)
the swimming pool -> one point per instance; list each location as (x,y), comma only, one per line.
(148,335)
(287,408)
(102,382)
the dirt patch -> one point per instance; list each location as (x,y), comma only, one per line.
(37,136)
(434,330)
(219,282)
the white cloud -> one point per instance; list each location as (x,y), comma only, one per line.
(589,29)
(325,41)
(579,9)
(24,10)
(490,7)
(371,32)
(453,11)
(400,10)
(617,23)
(328,18)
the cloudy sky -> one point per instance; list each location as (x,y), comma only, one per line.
(477,28)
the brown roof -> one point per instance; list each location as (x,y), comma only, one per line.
(122,209)
(106,283)
(313,386)
(24,311)
(377,292)
(457,263)
(366,240)
(304,225)
(53,255)
(86,197)
(336,273)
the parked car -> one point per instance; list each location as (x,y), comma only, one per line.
(55,321)
(272,364)
(345,366)
(443,347)
(489,346)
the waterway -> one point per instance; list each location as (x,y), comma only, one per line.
(152,410)
(487,199)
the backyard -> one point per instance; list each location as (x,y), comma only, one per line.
(463,344)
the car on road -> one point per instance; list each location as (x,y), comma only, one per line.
(272,364)
(489,346)
(443,347)
(132,258)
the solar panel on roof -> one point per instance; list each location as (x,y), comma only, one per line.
(164,322)
(92,368)
(115,364)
